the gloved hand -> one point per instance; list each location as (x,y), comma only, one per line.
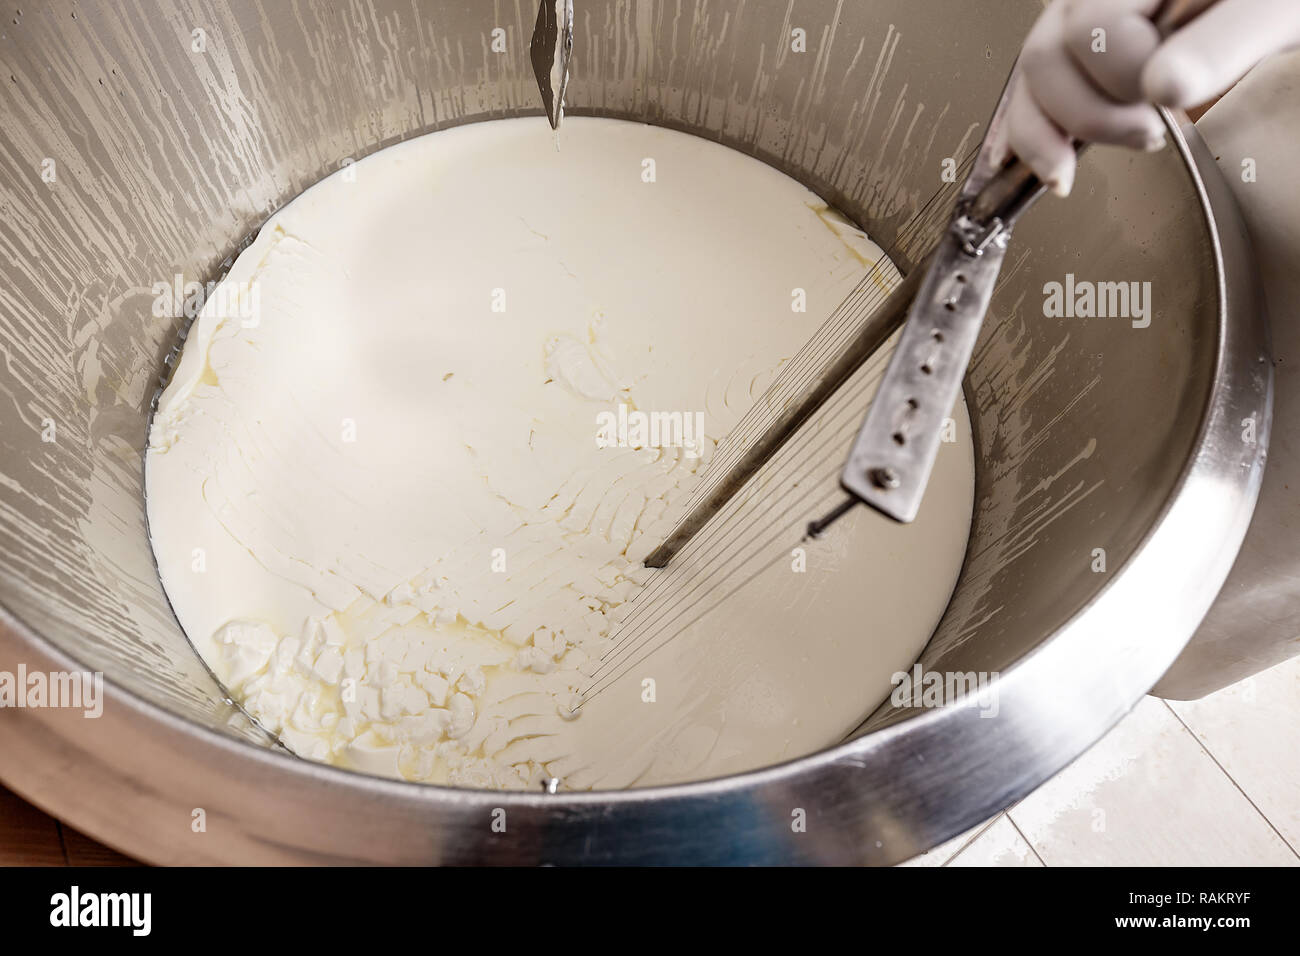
(1065,87)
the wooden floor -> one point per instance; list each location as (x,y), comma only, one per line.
(29,837)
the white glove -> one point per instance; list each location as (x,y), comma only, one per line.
(1064,87)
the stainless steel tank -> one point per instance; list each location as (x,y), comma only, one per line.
(141,142)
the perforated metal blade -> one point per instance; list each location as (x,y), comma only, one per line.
(551,51)
(891,459)
(944,299)
(890,462)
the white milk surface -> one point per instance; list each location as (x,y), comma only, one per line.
(390,511)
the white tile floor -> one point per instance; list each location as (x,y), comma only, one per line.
(1176,783)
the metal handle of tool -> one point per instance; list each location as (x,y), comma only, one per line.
(1008,194)
(973,247)
(1005,196)
(891,459)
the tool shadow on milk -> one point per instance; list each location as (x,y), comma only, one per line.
(413,454)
